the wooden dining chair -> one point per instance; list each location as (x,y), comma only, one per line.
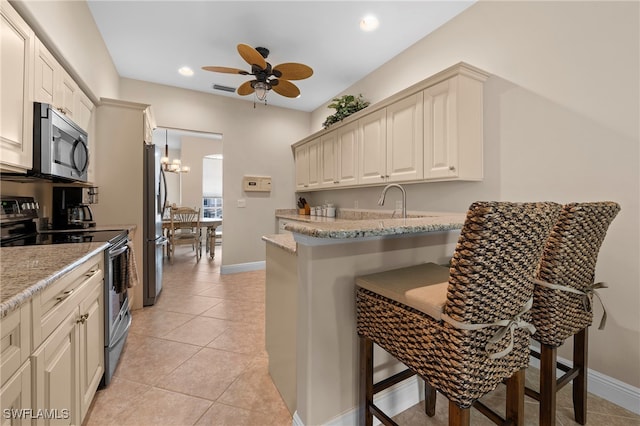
(184,229)
(562,304)
(463,329)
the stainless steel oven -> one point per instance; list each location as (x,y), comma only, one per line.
(117,316)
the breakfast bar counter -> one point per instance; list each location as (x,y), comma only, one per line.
(322,383)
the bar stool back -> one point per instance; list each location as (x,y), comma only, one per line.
(469,332)
(562,301)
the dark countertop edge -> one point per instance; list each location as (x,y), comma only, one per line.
(25,295)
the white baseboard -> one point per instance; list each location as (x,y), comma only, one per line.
(392,401)
(242,267)
(613,390)
(408,393)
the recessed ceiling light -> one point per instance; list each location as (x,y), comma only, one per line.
(369,23)
(186,71)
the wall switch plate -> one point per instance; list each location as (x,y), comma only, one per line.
(242,203)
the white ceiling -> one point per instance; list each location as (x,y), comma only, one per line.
(151,40)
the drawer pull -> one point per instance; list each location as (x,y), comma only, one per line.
(91,273)
(65,295)
(82,319)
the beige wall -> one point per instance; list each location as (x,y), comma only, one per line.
(194,149)
(560,124)
(255,141)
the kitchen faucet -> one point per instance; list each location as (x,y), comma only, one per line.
(404,197)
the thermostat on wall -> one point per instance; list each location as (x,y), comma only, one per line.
(256,183)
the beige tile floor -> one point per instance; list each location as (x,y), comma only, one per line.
(197,358)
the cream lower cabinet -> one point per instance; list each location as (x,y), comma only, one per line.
(15,397)
(17,43)
(15,366)
(68,318)
(55,379)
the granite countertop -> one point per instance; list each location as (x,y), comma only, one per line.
(352,229)
(284,241)
(27,270)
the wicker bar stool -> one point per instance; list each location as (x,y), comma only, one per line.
(462,329)
(563,294)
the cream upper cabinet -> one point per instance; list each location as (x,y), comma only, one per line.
(307,162)
(372,144)
(17,46)
(431,131)
(453,135)
(329,159)
(347,159)
(338,157)
(405,139)
(47,74)
(53,85)
(83,108)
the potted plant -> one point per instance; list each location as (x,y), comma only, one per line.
(344,106)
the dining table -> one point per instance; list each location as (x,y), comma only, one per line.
(210,223)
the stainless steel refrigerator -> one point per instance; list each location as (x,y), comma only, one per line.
(155,198)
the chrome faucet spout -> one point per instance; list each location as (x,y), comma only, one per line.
(404,197)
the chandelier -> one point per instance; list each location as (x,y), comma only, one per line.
(175,165)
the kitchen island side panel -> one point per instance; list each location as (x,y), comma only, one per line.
(327,343)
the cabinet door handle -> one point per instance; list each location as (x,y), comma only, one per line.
(381,176)
(336,181)
(65,295)
(82,319)
(452,168)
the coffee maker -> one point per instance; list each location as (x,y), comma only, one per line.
(71,207)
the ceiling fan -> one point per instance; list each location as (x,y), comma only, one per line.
(266,76)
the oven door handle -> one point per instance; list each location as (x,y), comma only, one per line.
(118,252)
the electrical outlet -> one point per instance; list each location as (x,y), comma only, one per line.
(355,204)
(242,203)
(398,205)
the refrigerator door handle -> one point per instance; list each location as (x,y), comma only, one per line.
(164,184)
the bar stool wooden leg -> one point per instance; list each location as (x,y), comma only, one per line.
(365,418)
(515,399)
(429,399)
(548,385)
(580,346)
(459,416)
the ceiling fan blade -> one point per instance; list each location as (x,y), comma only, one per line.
(226,70)
(293,71)
(245,88)
(286,88)
(251,55)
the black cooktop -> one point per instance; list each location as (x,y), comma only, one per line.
(66,237)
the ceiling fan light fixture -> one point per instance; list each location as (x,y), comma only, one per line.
(261,90)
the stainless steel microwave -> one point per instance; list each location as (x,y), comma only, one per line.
(60,147)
